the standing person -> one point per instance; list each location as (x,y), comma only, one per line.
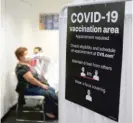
(28,84)
(42,62)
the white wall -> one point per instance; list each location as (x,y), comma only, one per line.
(48,40)
(13,16)
(20,27)
(73,113)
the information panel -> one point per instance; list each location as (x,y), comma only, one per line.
(94,57)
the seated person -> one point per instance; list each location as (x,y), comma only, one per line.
(32,85)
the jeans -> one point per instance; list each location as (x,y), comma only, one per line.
(50,98)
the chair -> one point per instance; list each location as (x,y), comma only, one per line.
(34,104)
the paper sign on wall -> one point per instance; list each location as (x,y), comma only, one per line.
(49,21)
(94,57)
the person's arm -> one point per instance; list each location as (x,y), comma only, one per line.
(30,78)
(41,56)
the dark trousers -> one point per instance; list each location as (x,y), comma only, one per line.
(51,101)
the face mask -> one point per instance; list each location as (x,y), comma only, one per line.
(32,57)
(27,58)
(35,56)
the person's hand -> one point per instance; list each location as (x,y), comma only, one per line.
(45,87)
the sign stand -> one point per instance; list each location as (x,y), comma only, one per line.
(72,106)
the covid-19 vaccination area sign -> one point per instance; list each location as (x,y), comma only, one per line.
(94,57)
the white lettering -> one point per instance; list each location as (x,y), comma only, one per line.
(111,30)
(97,17)
(72,18)
(87,17)
(80,17)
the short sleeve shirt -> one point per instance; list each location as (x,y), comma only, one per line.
(20,71)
